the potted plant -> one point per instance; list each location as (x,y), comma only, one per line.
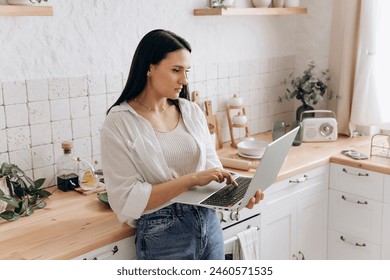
(221,3)
(309,88)
(25,2)
(19,195)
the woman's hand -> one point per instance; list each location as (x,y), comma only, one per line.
(256,199)
(218,175)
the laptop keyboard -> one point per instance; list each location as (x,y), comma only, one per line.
(230,194)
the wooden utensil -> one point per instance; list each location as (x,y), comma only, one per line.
(213,123)
(237,163)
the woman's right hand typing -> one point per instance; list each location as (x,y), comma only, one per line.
(218,175)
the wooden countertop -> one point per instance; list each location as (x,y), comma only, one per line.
(73,224)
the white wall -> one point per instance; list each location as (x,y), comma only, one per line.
(58,74)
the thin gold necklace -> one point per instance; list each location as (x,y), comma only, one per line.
(151,109)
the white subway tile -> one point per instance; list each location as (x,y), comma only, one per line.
(245,67)
(97,104)
(2,117)
(47,172)
(1,94)
(223,70)
(96,148)
(58,88)
(79,107)
(200,73)
(59,109)
(96,124)
(264,65)
(62,130)
(81,128)
(37,90)
(18,138)
(96,84)
(111,98)
(244,83)
(3,141)
(78,86)
(234,85)
(42,155)
(39,112)
(114,83)
(4,157)
(212,87)
(212,71)
(14,92)
(16,115)
(22,158)
(41,134)
(234,69)
(83,148)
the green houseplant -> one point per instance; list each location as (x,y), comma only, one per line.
(19,194)
(309,88)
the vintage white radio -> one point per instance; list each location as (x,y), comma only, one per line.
(319,129)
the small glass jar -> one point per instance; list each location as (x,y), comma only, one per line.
(278,129)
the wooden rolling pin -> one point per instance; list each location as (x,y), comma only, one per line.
(237,163)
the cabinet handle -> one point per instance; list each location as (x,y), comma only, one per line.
(303,256)
(294,257)
(356,174)
(355,244)
(107,254)
(300,180)
(357,202)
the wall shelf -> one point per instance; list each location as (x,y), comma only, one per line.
(19,10)
(249,11)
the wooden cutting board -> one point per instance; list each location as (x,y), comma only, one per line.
(213,123)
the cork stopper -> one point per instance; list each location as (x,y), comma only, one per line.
(67,146)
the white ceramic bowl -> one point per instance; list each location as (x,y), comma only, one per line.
(252,147)
(261,3)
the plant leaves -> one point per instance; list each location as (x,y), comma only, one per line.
(9,216)
(41,205)
(22,206)
(10,200)
(29,211)
(39,182)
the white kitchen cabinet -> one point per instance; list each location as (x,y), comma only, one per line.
(355,213)
(121,250)
(294,218)
(385,252)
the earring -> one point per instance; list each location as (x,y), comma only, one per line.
(148,74)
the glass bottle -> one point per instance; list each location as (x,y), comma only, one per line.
(278,129)
(67,178)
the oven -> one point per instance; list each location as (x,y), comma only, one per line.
(232,223)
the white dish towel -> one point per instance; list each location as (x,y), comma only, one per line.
(246,247)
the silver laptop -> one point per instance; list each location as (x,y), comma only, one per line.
(227,197)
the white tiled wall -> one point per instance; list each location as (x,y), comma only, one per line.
(37,115)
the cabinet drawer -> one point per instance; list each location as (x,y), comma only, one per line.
(345,247)
(121,250)
(355,215)
(356,181)
(289,190)
(386,190)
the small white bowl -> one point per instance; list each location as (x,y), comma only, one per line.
(252,147)
(261,3)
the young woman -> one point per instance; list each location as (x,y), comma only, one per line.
(156,145)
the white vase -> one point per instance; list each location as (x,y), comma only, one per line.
(291,3)
(4,188)
(261,3)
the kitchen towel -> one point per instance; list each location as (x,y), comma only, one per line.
(246,247)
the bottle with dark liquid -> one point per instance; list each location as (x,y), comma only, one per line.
(67,178)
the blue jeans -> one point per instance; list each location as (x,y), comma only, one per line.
(180,232)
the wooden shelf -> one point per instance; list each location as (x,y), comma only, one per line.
(19,10)
(249,11)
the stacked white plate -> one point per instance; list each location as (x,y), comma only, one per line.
(251,148)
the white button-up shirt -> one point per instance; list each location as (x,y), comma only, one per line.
(133,160)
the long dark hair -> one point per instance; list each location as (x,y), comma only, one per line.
(152,48)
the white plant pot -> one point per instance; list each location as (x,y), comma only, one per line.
(278,3)
(292,3)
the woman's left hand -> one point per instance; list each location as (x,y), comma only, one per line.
(255,200)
